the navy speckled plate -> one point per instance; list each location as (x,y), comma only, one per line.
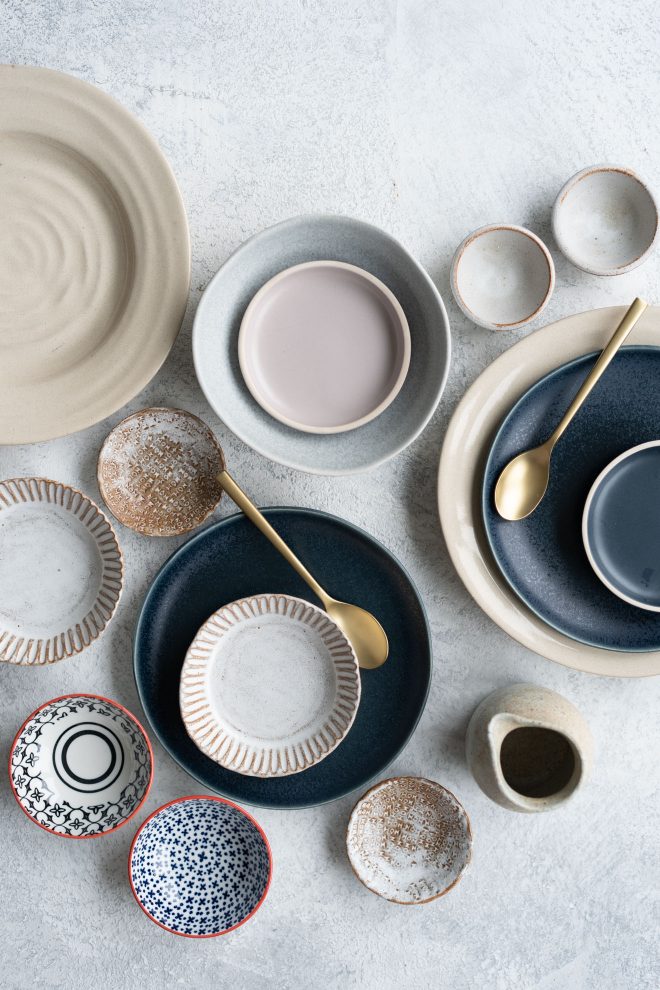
(543,557)
(231,560)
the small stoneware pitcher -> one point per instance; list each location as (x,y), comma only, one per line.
(528,748)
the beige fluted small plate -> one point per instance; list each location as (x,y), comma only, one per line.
(158,469)
(409,840)
(269,687)
(94,255)
(460,479)
(61,571)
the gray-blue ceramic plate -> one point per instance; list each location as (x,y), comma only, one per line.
(621,526)
(543,557)
(232,560)
(319,238)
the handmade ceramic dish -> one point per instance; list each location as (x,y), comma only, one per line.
(95,244)
(502,276)
(605,220)
(269,686)
(157,471)
(61,571)
(621,526)
(460,479)
(231,560)
(200,866)
(318,238)
(81,766)
(324,347)
(409,840)
(543,556)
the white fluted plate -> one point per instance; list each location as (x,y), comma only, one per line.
(61,571)
(269,687)
(94,255)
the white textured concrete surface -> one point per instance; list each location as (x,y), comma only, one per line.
(428,119)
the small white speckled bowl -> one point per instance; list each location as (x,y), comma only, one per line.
(409,840)
(605,220)
(502,276)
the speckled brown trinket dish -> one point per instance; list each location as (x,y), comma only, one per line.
(409,840)
(157,471)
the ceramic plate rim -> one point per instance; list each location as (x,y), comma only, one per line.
(243,346)
(593,491)
(435,784)
(121,572)
(441,381)
(480,411)
(485,505)
(170,201)
(197,736)
(135,415)
(294,510)
(458,295)
(107,701)
(201,797)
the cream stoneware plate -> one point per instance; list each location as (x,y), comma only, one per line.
(81,766)
(502,276)
(61,571)
(605,220)
(94,255)
(324,347)
(157,471)
(465,449)
(409,840)
(269,687)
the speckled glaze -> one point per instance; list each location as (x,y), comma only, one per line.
(61,571)
(460,480)
(81,766)
(269,686)
(200,866)
(324,347)
(621,526)
(157,471)
(94,277)
(409,840)
(605,220)
(533,738)
(195,582)
(543,556)
(502,276)
(316,238)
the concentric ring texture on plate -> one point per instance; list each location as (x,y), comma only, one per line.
(460,479)
(543,556)
(319,238)
(232,560)
(94,255)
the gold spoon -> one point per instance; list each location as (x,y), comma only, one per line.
(523,482)
(363,631)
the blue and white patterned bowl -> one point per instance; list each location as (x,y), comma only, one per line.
(81,766)
(200,866)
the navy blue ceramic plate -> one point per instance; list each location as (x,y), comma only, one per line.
(543,557)
(621,526)
(231,560)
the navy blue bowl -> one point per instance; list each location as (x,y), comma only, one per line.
(232,560)
(543,557)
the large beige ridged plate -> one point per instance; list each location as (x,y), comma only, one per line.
(469,436)
(94,255)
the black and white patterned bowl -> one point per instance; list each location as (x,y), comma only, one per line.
(200,866)
(81,766)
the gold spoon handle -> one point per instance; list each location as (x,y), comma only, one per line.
(620,334)
(252,512)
